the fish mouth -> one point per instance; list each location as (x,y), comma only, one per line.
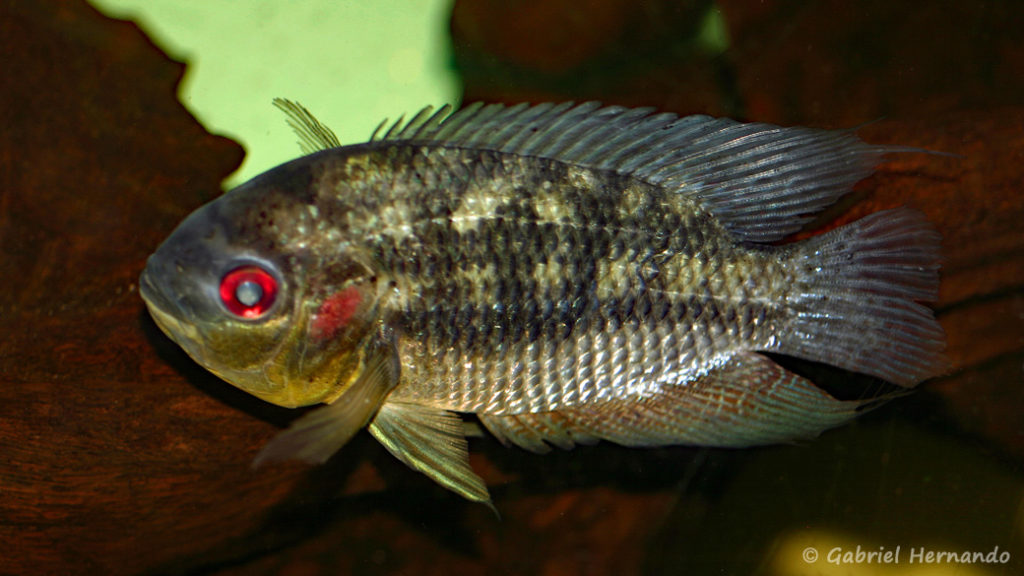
(168,315)
(151,295)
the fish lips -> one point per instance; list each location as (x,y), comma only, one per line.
(170,314)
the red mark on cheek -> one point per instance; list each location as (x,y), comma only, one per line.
(335,312)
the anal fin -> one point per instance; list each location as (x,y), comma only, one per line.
(537,432)
(748,401)
(432,441)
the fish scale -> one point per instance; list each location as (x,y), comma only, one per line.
(514,289)
(595,293)
(567,273)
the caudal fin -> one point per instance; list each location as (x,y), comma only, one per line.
(859,302)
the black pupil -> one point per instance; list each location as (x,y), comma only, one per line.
(249,293)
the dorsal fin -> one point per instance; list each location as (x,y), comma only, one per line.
(313,136)
(762,181)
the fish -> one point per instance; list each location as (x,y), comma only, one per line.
(561,274)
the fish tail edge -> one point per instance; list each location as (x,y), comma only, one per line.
(859,300)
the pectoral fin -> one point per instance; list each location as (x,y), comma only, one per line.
(432,441)
(319,434)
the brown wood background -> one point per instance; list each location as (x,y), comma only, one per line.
(120,456)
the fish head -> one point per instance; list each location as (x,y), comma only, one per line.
(255,291)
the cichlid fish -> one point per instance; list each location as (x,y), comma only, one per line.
(567,273)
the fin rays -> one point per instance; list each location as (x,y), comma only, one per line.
(432,441)
(313,135)
(319,434)
(762,180)
(864,315)
(749,401)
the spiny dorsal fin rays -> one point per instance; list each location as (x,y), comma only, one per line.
(313,136)
(762,180)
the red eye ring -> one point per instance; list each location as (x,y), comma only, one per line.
(248,291)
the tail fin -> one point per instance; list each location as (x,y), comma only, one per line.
(858,303)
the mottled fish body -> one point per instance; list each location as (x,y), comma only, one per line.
(566,273)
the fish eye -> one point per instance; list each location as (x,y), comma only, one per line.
(248,291)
